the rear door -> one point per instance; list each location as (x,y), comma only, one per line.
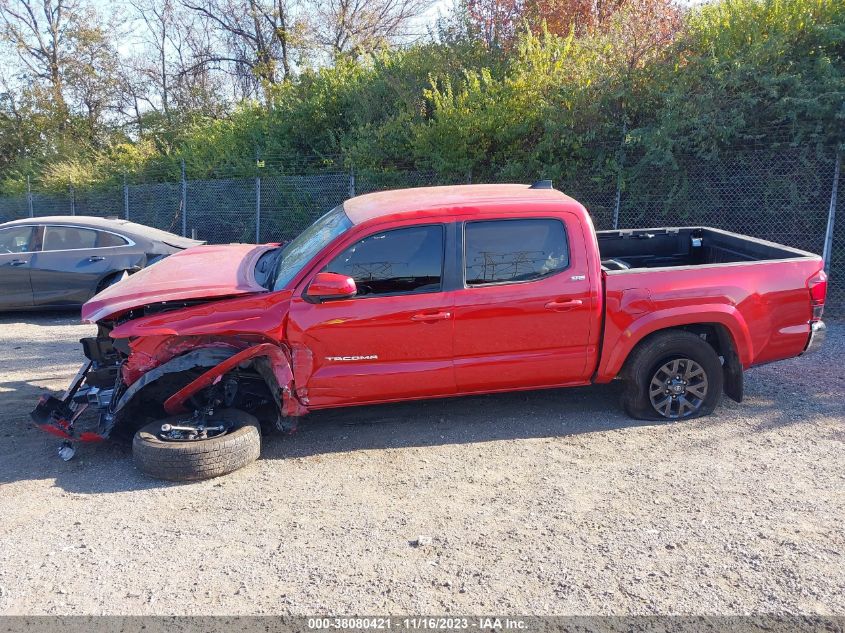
(16,245)
(524,316)
(394,340)
(72,262)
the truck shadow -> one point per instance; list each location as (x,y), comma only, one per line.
(772,402)
(484,418)
(27,453)
(778,395)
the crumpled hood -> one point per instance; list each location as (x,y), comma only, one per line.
(202,272)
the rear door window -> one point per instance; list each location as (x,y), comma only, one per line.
(511,251)
(68,238)
(401,261)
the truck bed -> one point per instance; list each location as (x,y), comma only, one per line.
(757,289)
(685,246)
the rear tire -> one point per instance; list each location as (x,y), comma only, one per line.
(651,393)
(198,459)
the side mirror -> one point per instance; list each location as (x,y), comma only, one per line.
(328,286)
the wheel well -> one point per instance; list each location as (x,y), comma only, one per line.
(253,395)
(714,334)
(105,281)
(720,339)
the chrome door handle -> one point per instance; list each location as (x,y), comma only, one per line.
(559,306)
(18,262)
(432,316)
(95,258)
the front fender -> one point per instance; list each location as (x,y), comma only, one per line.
(270,360)
(202,357)
(619,343)
(279,364)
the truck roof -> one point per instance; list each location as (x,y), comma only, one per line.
(434,201)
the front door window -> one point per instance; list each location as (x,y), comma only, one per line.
(401,261)
(16,240)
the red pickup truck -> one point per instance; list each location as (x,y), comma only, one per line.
(424,293)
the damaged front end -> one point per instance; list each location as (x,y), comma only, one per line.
(91,389)
(131,380)
(58,415)
(189,338)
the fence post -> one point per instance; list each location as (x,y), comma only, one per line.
(29,197)
(351,182)
(258,209)
(72,201)
(619,168)
(125,198)
(184,202)
(831,214)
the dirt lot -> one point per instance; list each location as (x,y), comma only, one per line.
(546,502)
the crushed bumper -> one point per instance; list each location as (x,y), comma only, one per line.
(58,416)
(818,331)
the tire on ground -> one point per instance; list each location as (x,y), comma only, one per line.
(656,350)
(199,459)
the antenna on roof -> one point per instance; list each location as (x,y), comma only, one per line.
(542,184)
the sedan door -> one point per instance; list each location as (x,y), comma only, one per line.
(394,340)
(72,263)
(16,245)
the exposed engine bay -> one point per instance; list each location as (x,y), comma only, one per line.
(130,383)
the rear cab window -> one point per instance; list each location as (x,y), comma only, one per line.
(399,261)
(513,250)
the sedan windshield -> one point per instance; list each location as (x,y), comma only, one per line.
(308,244)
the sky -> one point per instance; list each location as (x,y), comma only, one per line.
(133,34)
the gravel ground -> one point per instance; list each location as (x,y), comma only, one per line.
(544,502)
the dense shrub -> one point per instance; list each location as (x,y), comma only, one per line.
(644,89)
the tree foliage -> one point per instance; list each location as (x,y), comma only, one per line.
(641,81)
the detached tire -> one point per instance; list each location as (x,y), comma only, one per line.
(672,375)
(192,460)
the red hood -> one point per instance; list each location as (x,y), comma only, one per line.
(202,272)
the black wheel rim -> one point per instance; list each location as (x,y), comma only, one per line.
(678,388)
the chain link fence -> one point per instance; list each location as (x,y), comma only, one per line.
(780,194)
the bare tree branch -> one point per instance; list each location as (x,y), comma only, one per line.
(253,35)
(359,26)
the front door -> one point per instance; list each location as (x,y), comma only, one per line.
(393,340)
(524,316)
(16,246)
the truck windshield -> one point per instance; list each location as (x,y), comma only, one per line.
(302,249)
